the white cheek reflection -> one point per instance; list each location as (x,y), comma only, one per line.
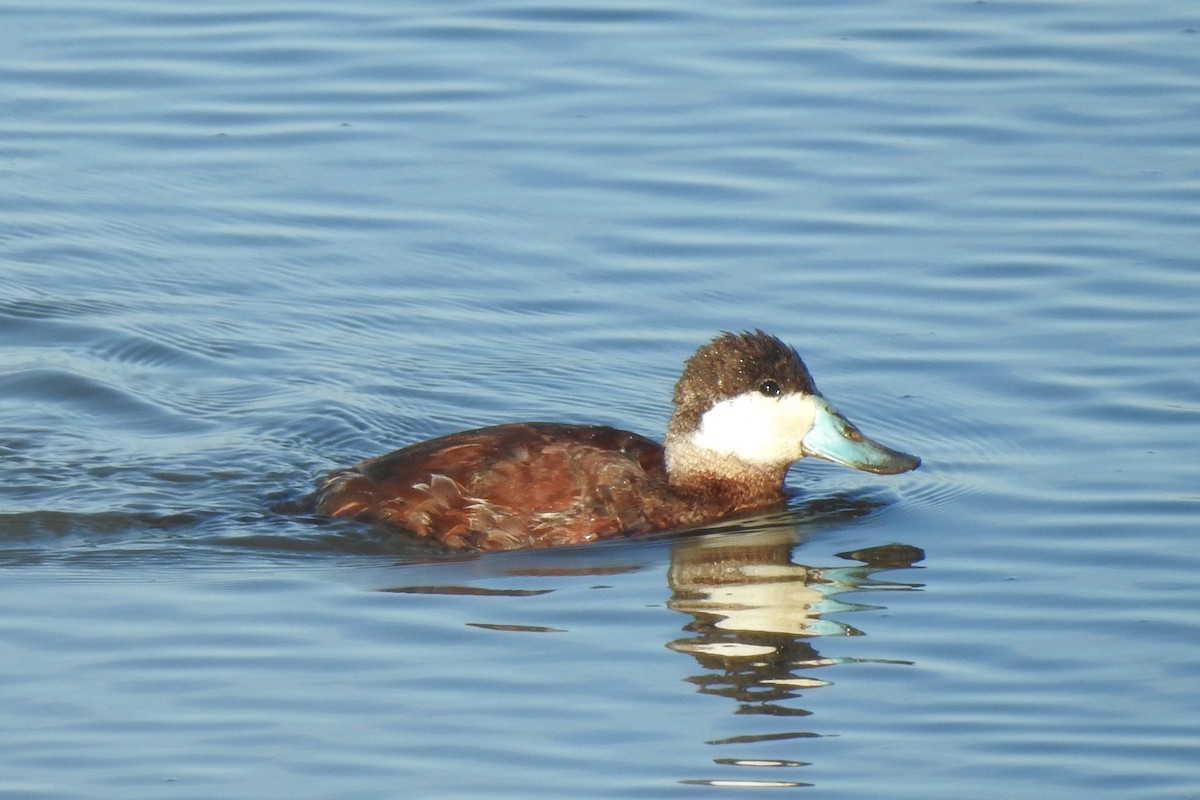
(757,429)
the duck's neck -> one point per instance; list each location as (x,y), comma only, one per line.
(741,485)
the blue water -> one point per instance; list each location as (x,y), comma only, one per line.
(242,245)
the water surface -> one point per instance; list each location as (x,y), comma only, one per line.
(243,245)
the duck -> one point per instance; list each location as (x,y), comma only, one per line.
(745,408)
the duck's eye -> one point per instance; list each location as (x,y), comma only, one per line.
(769,389)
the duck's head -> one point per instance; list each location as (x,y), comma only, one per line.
(746,406)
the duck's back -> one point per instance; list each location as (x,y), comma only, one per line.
(509,486)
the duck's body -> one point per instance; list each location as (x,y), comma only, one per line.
(525,484)
(745,409)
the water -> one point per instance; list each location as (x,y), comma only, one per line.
(243,245)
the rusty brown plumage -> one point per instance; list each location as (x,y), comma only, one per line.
(519,485)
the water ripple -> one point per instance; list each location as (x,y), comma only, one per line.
(85,398)
(243,245)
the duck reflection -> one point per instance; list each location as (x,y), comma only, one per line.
(756,616)
(756,613)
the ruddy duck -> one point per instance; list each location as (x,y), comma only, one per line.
(745,409)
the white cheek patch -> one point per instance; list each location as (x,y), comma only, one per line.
(758,429)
